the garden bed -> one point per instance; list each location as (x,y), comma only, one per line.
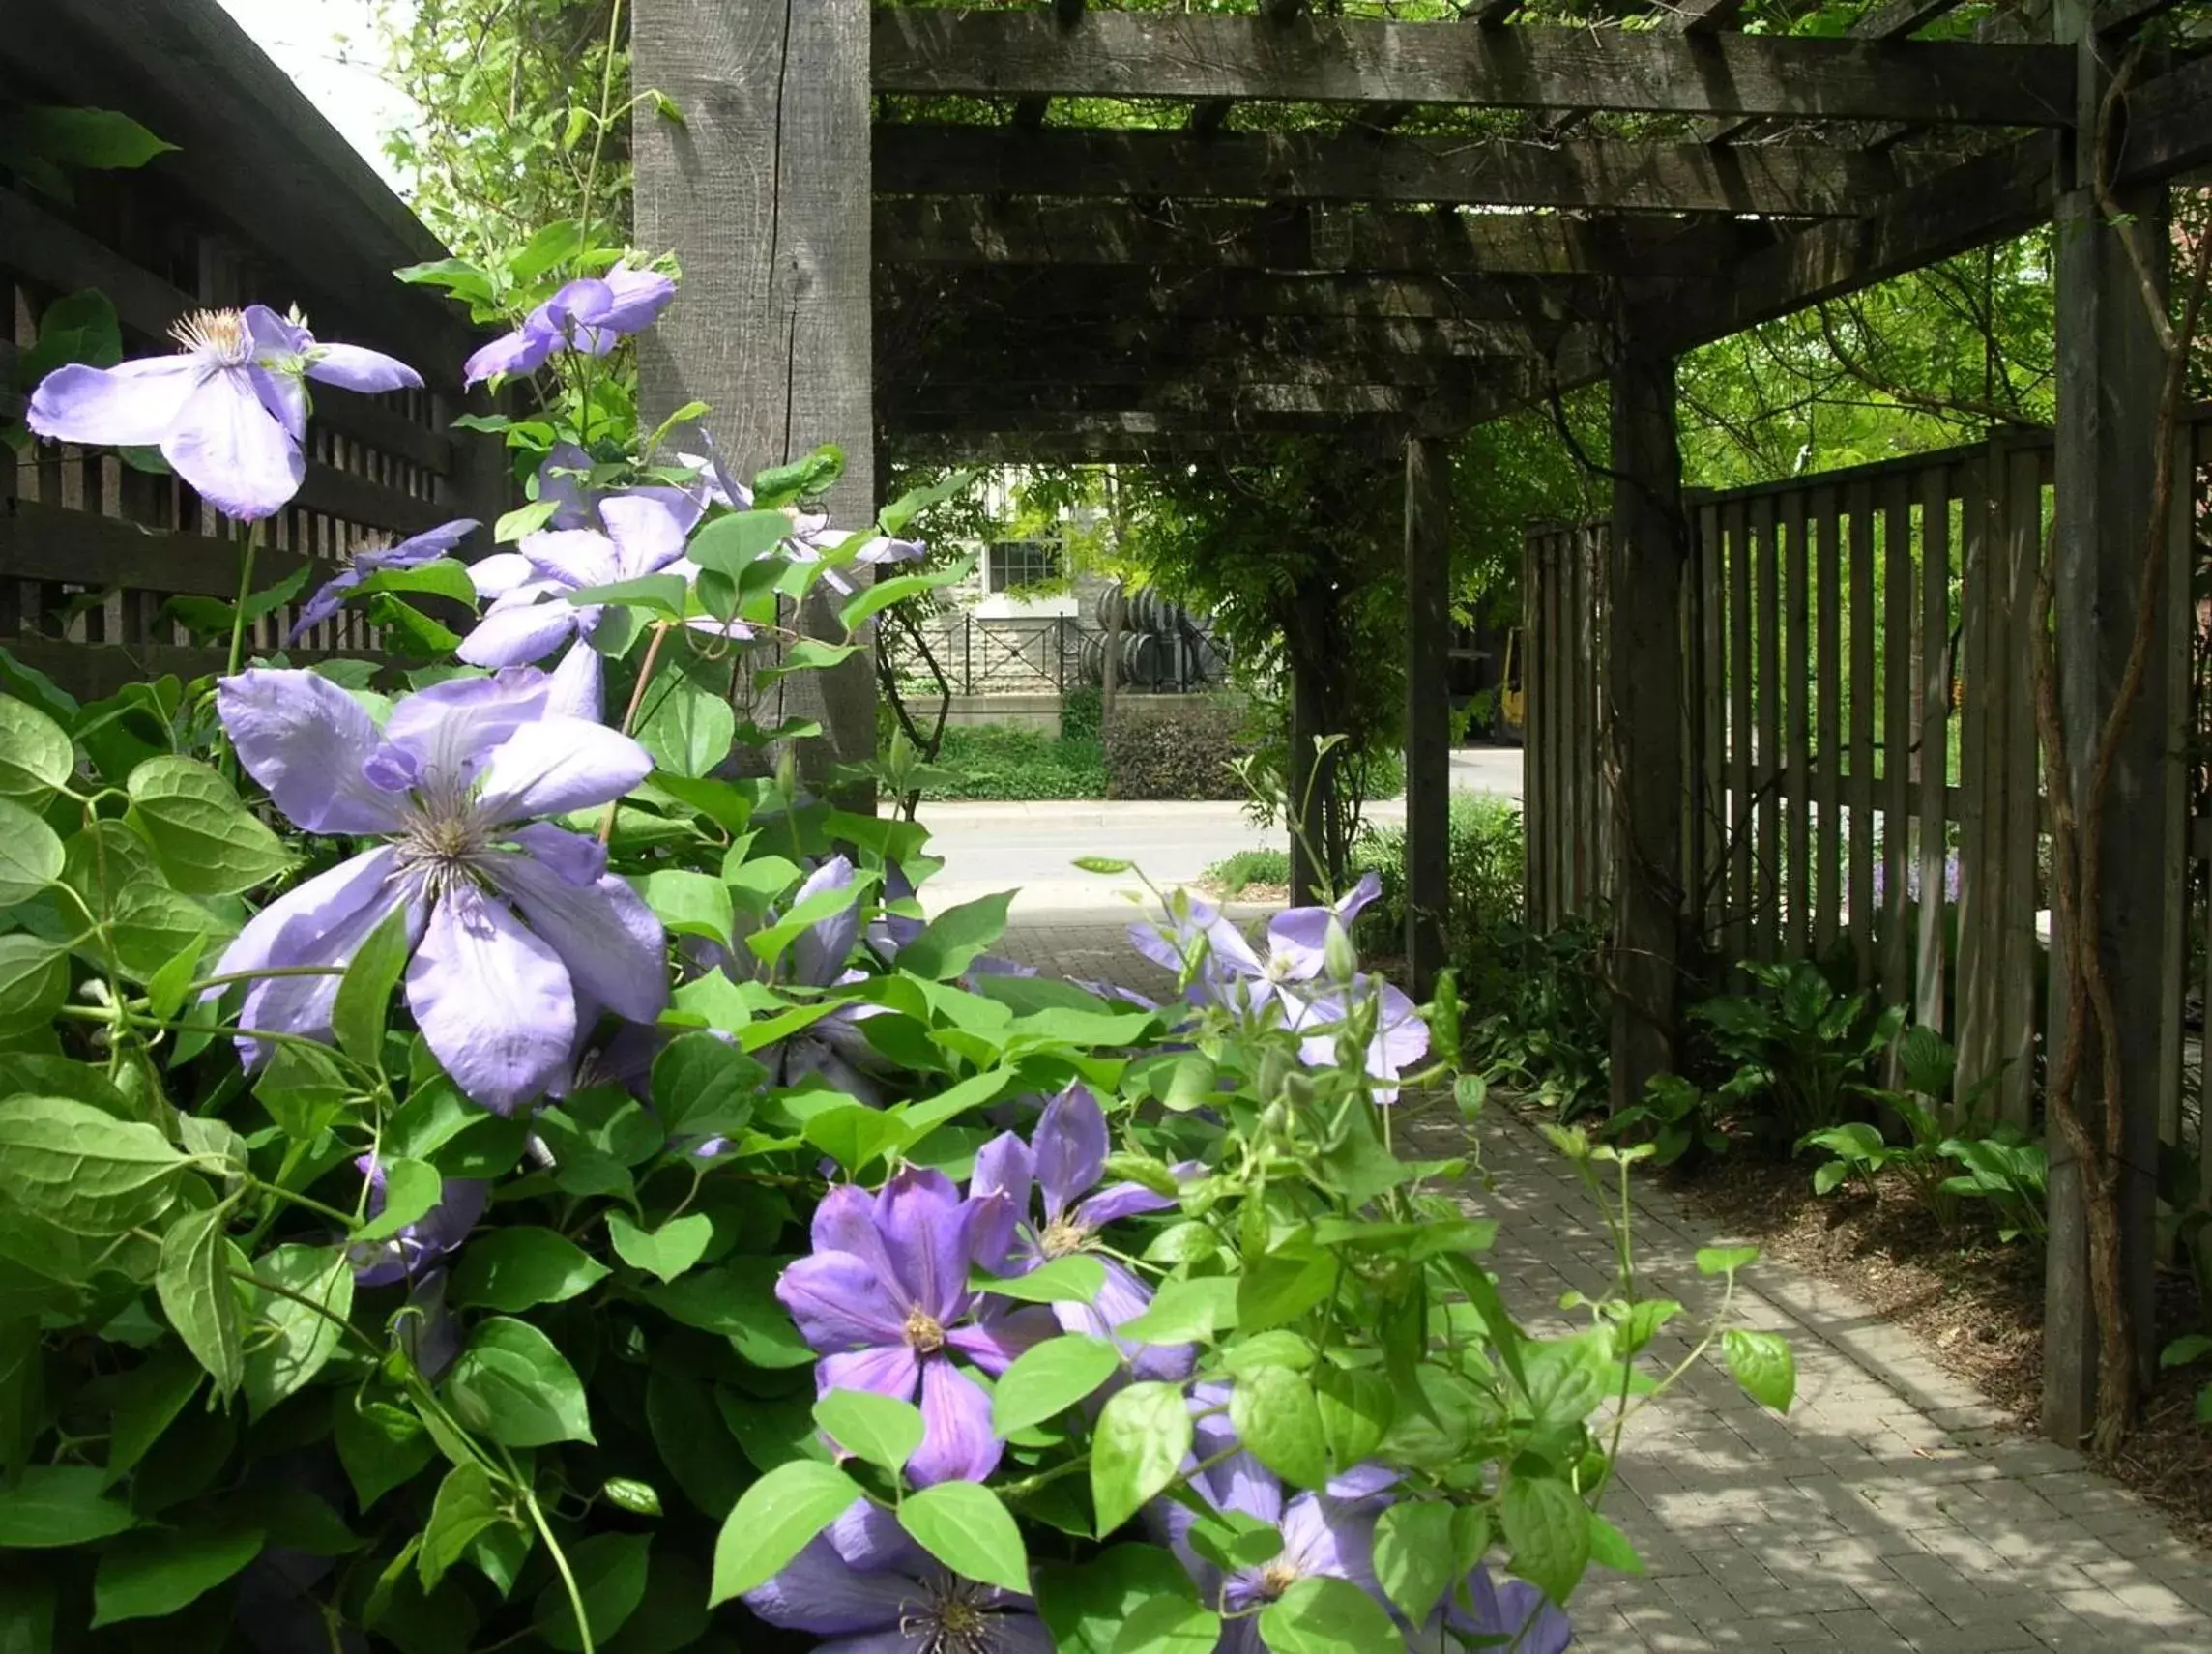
(1978,1306)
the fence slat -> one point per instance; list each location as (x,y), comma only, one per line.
(1980,782)
(1897,731)
(1797,686)
(1742,893)
(2181,718)
(1766,921)
(1827,737)
(1865,692)
(1929,1002)
(2024,549)
(1709,804)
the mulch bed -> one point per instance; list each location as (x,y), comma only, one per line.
(1976,1304)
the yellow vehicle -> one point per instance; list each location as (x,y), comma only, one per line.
(1512,692)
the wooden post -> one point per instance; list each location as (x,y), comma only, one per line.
(1643,665)
(1428,707)
(763,193)
(2110,369)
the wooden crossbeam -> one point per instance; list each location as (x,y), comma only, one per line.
(1090,378)
(1015,292)
(1335,60)
(1794,181)
(1193,395)
(1062,447)
(964,231)
(1893,20)
(946,346)
(1401,413)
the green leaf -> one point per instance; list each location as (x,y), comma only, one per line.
(31,855)
(661,595)
(54,1505)
(36,758)
(1548,1526)
(1724,1260)
(441,577)
(203,838)
(100,139)
(951,940)
(774,1520)
(1071,1280)
(1185,1311)
(553,243)
(147,1401)
(689,904)
(1414,1557)
(1764,1365)
(1106,864)
(694,1443)
(805,478)
(152,1575)
(464,281)
(1610,1546)
(34,981)
(1279,1287)
(1169,1625)
(1277,1420)
(610,1570)
(523,520)
(1137,1449)
(81,1170)
(964,1526)
(152,924)
(687,730)
(703,1086)
(303,1092)
(199,1297)
(411,1188)
(513,1386)
(165,989)
(412,633)
(729,544)
(1087,1606)
(381,1446)
(1048,1379)
(468,1503)
(363,1001)
(880,1428)
(895,517)
(873,599)
(519,1268)
(1324,1615)
(666,1252)
(273,598)
(305,1336)
(626,1493)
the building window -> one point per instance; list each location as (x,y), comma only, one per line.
(1018,563)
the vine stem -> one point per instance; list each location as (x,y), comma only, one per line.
(245,592)
(559,1556)
(629,716)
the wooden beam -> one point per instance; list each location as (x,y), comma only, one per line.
(1104,375)
(954,345)
(1333,60)
(1650,551)
(1403,417)
(1707,16)
(1428,708)
(1060,448)
(1194,394)
(762,192)
(1789,181)
(925,295)
(1892,21)
(966,231)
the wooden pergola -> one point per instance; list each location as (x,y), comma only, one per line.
(898,231)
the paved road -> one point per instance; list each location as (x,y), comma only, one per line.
(1030,847)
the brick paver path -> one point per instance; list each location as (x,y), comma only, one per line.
(1890,1510)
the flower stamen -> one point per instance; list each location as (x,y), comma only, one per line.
(925,1332)
(220,335)
(1063,1237)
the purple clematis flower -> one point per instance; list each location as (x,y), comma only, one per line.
(883,1297)
(1232,975)
(413,553)
(1515,1614)
(870,1590)
(519,933)
(531,616)
(416,1249)
(1400,1038)
(228,412)
(1329,1534)
(590,315)
(1066,1160)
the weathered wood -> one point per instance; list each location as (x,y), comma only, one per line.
(2110,371)
(1743,893)
(372,504)
(1428,708)
(983,447)
(1865,695)
(1827,724)
(762,193)
(1795,180)
(1224,397)
(1705,16)
(1796,691)
(1089,377)
(1117,54)
(1980,782)
(1898,732)
(1647,561)
(1707,803)
(1025,293)
(965,231)
(1929,1008)
(946,348)
(2023,557)
(2177,648)
(40,541)
(1766,913)
(1391,413)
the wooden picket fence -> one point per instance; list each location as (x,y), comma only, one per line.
(1861,731)
(90,548)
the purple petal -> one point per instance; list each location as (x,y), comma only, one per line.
(321,923)
(557,764)
(573,556)
(1071,1144)
(272,335)
(926,1226)
(286,397)
(418,549)
(501,573)
(819,1592)
(522,351)
(328,600)
(561,476)
(235,453)
(647,535)
(446,731)
(1515,1610)
(840,1303)
(1297,939)
(577,857)
(1354,901)
(680,503)
(958,1444)
(634,298)
(1120,1201)
(845,1221)
(882,1369)
(134,404)
(305,739)
(518,633)
(360,369)
(494,1002)
(1322,1538)
(613,946)
(998,1337)
(1004,1165)
(577,687)
(869,1538)
(819,952)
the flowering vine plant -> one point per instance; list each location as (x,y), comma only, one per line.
(483,1164)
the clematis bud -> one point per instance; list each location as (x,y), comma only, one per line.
(1338,956)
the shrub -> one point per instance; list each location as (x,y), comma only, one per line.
(1486,853)
(984,762)
(1179,752)
(1238,873)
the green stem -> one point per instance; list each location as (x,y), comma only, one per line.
(224,981)
(245,592)
(559,1556)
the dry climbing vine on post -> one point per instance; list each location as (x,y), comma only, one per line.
(2094,1137)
